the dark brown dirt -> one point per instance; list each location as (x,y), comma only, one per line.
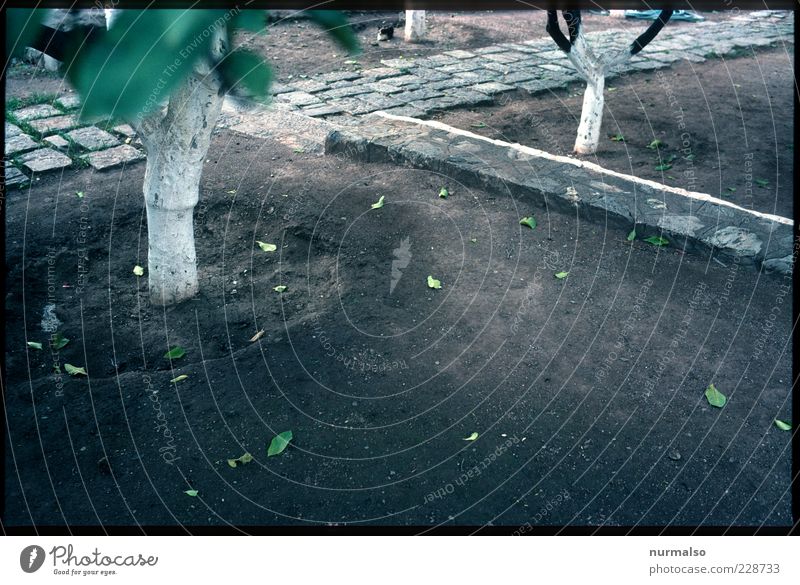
(726,127)
(586,392)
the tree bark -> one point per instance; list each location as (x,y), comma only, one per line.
(591,116)
(176,149)
(415,25)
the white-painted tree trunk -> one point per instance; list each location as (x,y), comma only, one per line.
(416,25)
(176,149)
(591,117)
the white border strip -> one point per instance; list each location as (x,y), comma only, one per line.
(587,165)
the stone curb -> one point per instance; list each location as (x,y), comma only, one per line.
(694,222)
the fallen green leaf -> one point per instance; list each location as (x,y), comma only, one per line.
(784,426)
(478,125)
(663,167)
(618,138)
(59,341)
(657,241)
(433,283)
(611,89)
(561,275)
(267,247)
(731,189)
(474,240)
(528,221)
(246,458)
(715,397)
(762,182)
(472,437)
(74,371)
(175,353)
(280,288)
(632,235)
(378,204)
(299,150)
(138,270)
(79,194)
(34,345)
(178,379)
(443,193)
(192,493)
(655,144)
(279,443)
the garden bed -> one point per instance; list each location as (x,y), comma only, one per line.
(587,392)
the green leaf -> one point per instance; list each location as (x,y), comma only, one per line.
(715,397)
(252,20)
(632,235)
(74,371)
(561,275)
(280,288)
(690,156)
(22,28)
(130,70)
(177,379)
(474,240)
(433,283)
(175,353)
(657,241)
(528,221)
(378,204)
(243,69)
(762,182)
(655,144)
(472,437)
(611,89)
(138,270)
(443,193)
(731,189)
(79,194)
(618,138)
(246,458)
(335,24)
(192,493)
(59,341)
(478,125)
(267,247)
(784,426)
(279,443)
(34,345)
(663,167)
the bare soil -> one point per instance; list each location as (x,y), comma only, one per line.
(587,393)
(725,127)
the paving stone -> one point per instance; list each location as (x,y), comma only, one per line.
(410,111)
(19,143)
(339,76)
(279,88)
(479,76)
(309,86)
(383,102)
(35,112)
(537,86)
(55,124)
(299,98)
(488,50)
(343,92)
(57,141)
(461,66)
(385,87)
(407,80)
(501,58)
(124,129)
(492,88)
(552,67)
(380,73)
(69,101)
(112,157)
(420,94)
(45,159)
(399,63)
(14,176)
(428,74)
(326,110)
(459,54)
(12,130)
(467,97)
(519,76)
(92,138)
(355,106)
(438,61)
(448,83)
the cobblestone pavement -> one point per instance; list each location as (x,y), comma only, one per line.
(48,137)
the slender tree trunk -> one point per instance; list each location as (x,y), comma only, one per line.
(176,149)
(591,116)
(415,25)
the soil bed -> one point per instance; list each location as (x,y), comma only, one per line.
(725,127)
(586,391)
